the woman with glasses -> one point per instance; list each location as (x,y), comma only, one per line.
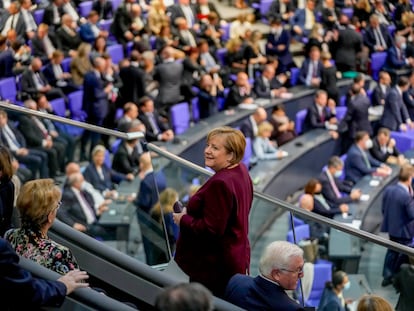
(38,203)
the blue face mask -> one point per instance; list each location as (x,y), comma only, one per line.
(338,174)
(347,285)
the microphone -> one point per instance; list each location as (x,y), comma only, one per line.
(178,207)
(362,283)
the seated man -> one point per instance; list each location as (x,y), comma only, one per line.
(240,93)
(384,149)
(303,20)
(130,114)
(397,62)
(281,267)
(90,30)
(267,85)
(311,71)
(334,190)
(68,36)
(44,43)
(376,36)
(250,125)
(318,116)
(360,163)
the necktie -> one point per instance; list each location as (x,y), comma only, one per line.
(12,21)
(334,186)
(314,70)
(153,124)
(410,191)
(41,127)
(322,115)
(364,155)
(322,200)
(380,38)
(88,210)
(39,79)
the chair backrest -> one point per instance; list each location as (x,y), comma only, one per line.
(38,16)
(340,112)
(8,89)
(302,233)
(117,52)
(226,32)
(296,222)
(66,64)
(348,12)
(85,8)
(403,141)
(322,273)
(195,109)
(248,152)
(115,145)
(105,24)
(377,63)
(221,55)
(264,8)
(75,103)
(300,119)
(180,118)
(58,106)
(116,4)
(294,76)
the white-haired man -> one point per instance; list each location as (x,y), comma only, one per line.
(281,267)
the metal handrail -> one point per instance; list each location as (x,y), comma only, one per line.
(288,207)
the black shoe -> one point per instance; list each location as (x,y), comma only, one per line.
(386,282)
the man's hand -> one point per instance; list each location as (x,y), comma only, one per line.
(74,280)
(79,227)
(22,152)
(356,194)
(344,208)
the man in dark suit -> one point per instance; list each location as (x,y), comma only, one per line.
(6,59)
(334,190)
(152,183)
(133,82)
(157,128)
(103,8)
(281,267)
(381,90)
(186,37)
(303,20)
(376,36)
(53,14)
(408,97)
(34,82)
(240,93)
(283,9)
(120,27)
(398,213)
(359,162)
(395,116)
(403,283)
(249,126)
(77,209)
(30,23)
(130,115)
(267,85)
(168,74)
(33,293)
(56,76)
(330,15)
(38,137)
(348,43)
(318,115)
(397,63)
(184,9)
(311,71)
(384,150)
(278,42)
(35,160)
(68,36)
(13,19)
(44,43)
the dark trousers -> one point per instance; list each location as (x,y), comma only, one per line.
(393,260)
(36,161)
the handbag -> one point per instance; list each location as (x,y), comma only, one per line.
(310,249)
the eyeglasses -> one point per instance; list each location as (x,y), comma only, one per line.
(299,271)
(58,205)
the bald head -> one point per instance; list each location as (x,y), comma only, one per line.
(260,115)
(72,168)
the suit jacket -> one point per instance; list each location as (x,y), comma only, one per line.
(313,120)
(32,292)
(124,162)
(408,98)
(6,64)
(86,33)
(263,149)
(378,96)
(33,134)
(133,84)
(320,209)
(235,98)
(247,128)
(299,19)
(67,41)
(19,137)
(122,22)
(274,10)
(303,74)
(326,14)
(355,165)
(377,153)
(284,56)
(328,191)
(397,211)
(150,134)
(48,16)
(395,58)
(104,9)
(330,301)
(257,293)
(148,193)
(183,41)
(95,100)
(348,45)
(71,212)
(168,75)
(395,112)
(20,25)
(174,11)
(50,74)
(403,283)
(28,84)
(369,37)
(38,48)
(110,177)
(357,116)
(264,91)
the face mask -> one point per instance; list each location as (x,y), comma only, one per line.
(368,144)
(347,285)
(338,174)
(403,46)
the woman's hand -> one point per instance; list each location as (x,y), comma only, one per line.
(177,216)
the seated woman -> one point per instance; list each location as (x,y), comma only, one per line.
(283,128)
(38,203)
(166,202)
(320,205)
(101,176)
(263,148)
(332,296)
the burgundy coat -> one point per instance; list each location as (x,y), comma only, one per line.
(213,244)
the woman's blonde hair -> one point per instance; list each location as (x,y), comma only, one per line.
(234,141)
(373,303)
(36,200)
(263,127)
(167,199)
(232,44)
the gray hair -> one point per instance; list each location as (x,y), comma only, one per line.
(98,148)
(278,254)
(335,161)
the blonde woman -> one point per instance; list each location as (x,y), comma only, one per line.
(235,55)
(263,148)
(363,10)
(81,63)
(157,17)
